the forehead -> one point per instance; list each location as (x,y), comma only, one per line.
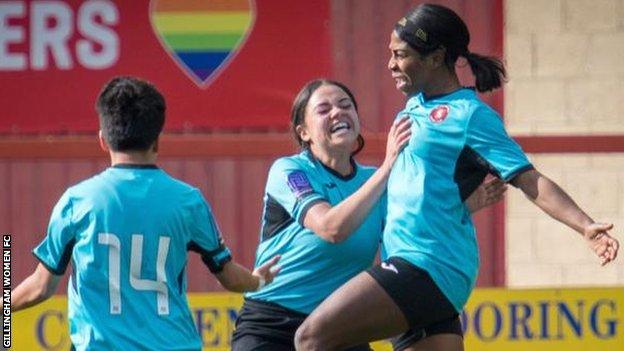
(397,43)
(328,92)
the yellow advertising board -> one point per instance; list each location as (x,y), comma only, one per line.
(548,319)
(494,319)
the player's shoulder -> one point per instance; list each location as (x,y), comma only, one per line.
(86,186)
(183,192)
(107,181)
(288,170)
(482,114)
(470,101)
(178,184)
(300,161)
(84,193)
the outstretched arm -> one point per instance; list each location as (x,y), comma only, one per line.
(335,224)
(553,200)
(237,278)
(35,289)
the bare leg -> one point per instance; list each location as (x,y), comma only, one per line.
(438,342)
(358,312)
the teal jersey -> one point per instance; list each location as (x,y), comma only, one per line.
(456,141)
(312,268)
(127,232)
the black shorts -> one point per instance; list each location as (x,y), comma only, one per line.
(266,326)
(427,310)
(447,326)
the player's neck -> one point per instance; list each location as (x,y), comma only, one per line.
(447,82)
(133,157)
(339,160)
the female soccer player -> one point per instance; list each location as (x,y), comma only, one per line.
(127,232)
(429,239)
(322,214)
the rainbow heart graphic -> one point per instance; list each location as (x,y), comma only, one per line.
(202,36)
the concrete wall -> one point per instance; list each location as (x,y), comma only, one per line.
(566,77)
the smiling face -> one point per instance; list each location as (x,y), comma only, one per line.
(331,121)
(409,70)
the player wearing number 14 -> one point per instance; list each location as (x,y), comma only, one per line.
(127,231)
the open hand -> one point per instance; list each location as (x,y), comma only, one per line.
(398,137)
(488,193)
(603,244)
(267,272)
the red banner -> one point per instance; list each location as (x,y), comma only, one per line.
(220,63)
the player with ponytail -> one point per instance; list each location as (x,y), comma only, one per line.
(431,257)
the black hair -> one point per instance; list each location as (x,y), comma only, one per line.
(429,27)
(131,113)
(297,112)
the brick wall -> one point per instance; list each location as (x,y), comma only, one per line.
(566,77)
(565,66)
(542,252)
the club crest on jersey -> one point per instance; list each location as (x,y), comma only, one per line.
(439,114)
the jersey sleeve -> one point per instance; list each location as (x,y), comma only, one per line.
(289,184)
(206,238)
(55,251)
(487,137)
